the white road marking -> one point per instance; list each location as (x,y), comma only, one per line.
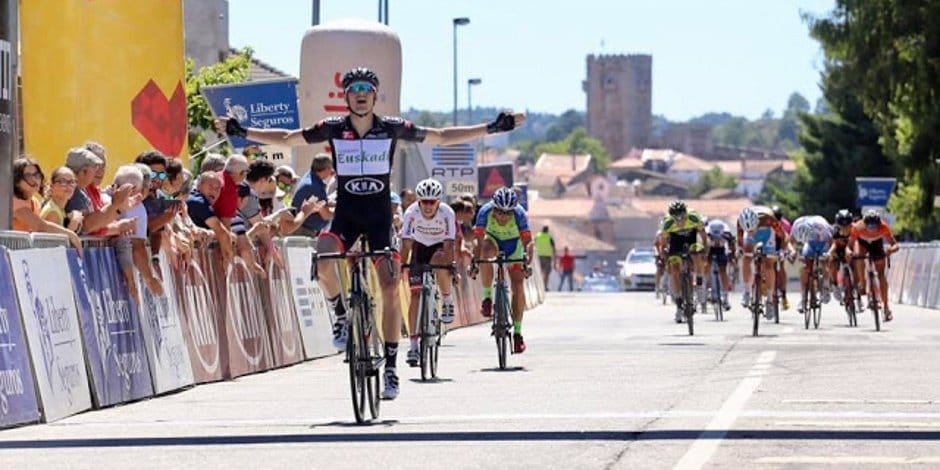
(860,424)
(856,401)
(850,459)
(703,449)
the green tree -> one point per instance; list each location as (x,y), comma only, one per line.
(778,191)
(233,70)
(566,123)
(578,142)
(712,179)
(903,204)
(887,52)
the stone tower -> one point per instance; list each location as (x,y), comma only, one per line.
(619,101)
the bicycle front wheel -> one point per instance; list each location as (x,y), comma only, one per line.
(501,322)
(811,295)
(357,373)
(372,358)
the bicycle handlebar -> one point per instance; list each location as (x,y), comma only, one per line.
(352,254)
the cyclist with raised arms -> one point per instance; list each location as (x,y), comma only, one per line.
(363,146)
(720,248)
(427,237)
(681,229)
(815,233)
(868,238)
(758,225)
(502,226)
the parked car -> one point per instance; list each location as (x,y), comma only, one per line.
(600,282)
(638,269)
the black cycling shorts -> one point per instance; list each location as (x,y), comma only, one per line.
(719,254)
(374,222)
(875,249)
(679,244)
(420,256)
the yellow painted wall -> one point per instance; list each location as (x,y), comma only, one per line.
(104,70)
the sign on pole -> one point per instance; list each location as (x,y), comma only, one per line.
(263,105)
(874,191)
(453,165)
(493,177)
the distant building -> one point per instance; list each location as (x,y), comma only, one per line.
(619,101)
(205,25)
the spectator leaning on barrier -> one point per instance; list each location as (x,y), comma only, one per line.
(225,206)
(27,182)
(131,248)
(313,187)
(212,162)
(545,249)
(60,191)
(199,204)
(97,221)
(286,181)
(245,231)
(160,210)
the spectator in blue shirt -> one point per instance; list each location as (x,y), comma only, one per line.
(199,206)
(313,185)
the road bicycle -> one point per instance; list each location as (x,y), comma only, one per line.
(364,349)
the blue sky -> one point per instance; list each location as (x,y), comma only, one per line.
(739,56)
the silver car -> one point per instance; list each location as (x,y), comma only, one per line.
(638,270)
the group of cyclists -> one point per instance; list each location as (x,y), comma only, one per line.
(363,147)
(847,241)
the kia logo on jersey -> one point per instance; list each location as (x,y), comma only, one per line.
(364,186)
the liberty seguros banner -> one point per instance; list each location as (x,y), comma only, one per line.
(17,391)
(53,331)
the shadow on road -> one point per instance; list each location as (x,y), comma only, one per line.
(508,369)
(394,436)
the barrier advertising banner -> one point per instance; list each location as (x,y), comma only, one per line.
(262,105)
(17,391)
(120,370)
(200,329)
(282,320)
(455,166)
(53,331)
(313,315)
(249,345)
(170,366)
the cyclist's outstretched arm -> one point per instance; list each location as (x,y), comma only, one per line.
(506,121)
(265,136)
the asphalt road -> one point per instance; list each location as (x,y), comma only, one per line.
(609,381)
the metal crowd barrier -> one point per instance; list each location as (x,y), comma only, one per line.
(15,240)
(49,240)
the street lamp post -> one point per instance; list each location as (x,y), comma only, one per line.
(457,22)
(470,83)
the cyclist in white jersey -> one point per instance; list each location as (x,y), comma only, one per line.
(427,234)
(815,234)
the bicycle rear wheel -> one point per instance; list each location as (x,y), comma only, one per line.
(876,311)
(357,374)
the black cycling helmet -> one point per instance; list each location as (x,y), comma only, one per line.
(844,218)
(778,213)
(677,208)
(360,74)
(872,217)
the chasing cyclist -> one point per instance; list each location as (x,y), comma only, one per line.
(363,147)
(427,236)
(757,225)
(720,249)
(815,233)
(839,252)
(502,226)
(781,269)
(868,238)
(681,230)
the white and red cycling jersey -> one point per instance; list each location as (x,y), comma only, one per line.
(429,232)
